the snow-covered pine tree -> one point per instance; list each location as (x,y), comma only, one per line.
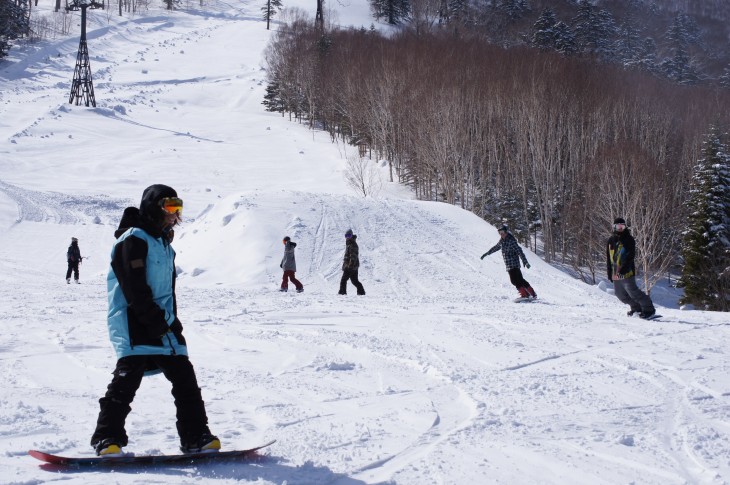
(594,29)
(647,56)
(681,35)
(706,241)
(14,22)
(514,9)
(394,12)
(543,34)
(628,45)
(565,39)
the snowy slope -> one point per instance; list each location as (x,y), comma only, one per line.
(434,376)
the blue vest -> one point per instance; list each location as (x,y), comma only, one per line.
(160,266)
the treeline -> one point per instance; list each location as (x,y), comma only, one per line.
(686,42)
(550,145)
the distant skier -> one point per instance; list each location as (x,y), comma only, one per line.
(351,264)
(620,253)
(143,326)
(512,253)
(289,265)
(73,256)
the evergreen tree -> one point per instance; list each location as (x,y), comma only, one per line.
(594,29)
(647,55)
(628,45)
(565,39)
(272,98)
(682,34)
(549,34)
(543,36)
(393,12)
(513,9)
(14,22)
(455,10)
(270,10)
(706,242)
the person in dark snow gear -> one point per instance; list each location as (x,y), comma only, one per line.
(512,254)
(350,264)
(73,256)
(289,265)
(620,254)
(144,328)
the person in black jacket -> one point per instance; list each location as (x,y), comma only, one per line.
(351,264)
(620,254)
(144,328)
(512,254)
(73,256)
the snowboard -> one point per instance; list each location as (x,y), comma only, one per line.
(656,316)
(524,299)
(132,459)
(653,317)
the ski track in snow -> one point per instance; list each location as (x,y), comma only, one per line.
(59,208)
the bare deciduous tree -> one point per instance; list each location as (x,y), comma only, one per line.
(363,176)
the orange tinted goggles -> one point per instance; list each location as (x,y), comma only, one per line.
(172,205)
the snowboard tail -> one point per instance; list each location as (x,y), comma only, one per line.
(131,459)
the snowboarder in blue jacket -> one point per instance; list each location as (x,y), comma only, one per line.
(144,328)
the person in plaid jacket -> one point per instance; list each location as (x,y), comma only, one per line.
(351,264)
(512,254)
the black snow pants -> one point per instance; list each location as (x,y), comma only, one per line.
(350,274)
(73,266)
(115,405)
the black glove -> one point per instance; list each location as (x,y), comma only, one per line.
(158,330)
(527,265)
(176,326)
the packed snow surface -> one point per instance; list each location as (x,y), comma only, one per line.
(434,376)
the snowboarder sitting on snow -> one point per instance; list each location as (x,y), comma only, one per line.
(289,265)
(512,253)
(351,264)
(620,253)
(73,256)
(143,326)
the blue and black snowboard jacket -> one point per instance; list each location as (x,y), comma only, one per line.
(142,317)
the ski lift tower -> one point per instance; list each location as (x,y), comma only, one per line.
(82,88)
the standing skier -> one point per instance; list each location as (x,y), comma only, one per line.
(351,264)
(73,256)
(289,265)
(512,253)
(620,253)
(143,326)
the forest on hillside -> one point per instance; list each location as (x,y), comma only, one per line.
(555,146)
(685,41)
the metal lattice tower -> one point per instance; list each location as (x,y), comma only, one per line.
(82,86)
